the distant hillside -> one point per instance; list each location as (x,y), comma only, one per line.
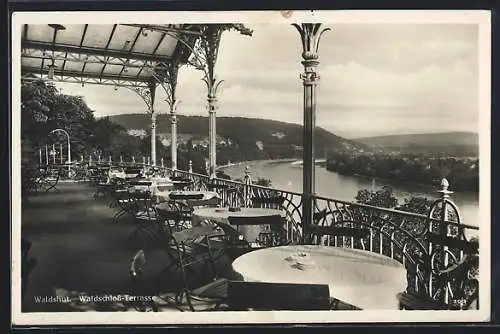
(448,143)
(275,135)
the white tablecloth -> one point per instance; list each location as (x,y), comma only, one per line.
(221,215)
(364,279)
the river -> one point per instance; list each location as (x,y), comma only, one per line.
(285,176)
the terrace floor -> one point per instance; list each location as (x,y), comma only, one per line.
(78,248)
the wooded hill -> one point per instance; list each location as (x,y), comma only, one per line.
(281,138)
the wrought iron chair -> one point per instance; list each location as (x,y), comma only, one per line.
(172,218)
(121,199)
(146,218)
(271,202)
(192,247)
(272,234)
(243,296)
(458,280)
(47,180)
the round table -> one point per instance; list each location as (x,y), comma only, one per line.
(364,279)
(221,215)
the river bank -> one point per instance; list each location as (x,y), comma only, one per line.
(333,185)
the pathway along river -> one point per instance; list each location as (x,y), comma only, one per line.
(286,176)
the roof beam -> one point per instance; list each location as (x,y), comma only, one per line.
(132,48)
(58,72)
(107,46)
(169,29)
(95,60)
(92,51)
(92,81)
(154,50)
(81,44)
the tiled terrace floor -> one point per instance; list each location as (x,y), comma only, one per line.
(79,248)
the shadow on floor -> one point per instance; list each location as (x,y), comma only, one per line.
(80,249)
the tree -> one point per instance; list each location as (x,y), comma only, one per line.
(382,198)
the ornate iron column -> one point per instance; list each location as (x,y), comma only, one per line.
(167,78)
(152,90)
(205,56)
(147,94)
(210,47)
(310,34)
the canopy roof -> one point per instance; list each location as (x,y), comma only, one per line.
(113,54)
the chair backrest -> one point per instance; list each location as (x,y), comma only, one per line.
(274,220)
(193,233)
(186,196)
(269,202)
(277,296)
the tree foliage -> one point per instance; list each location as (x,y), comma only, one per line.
(44,109)
(462,173)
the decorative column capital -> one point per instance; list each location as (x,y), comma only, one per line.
(310,34)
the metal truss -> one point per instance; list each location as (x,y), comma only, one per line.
(90,59)
(85,50)
(34,76)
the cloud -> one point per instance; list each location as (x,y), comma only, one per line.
(375,79)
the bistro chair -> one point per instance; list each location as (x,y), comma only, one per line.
(231,241)
(47,180)
(146,219)
(120,198)
(459,279)
(244,296)
(271,202)
(192,254)
(174,217)
(272,231)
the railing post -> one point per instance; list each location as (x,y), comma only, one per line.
(121,159)
(133,160)
(310,35)
(143,160)
(247,190)
(444,228)
(90,160)
(190,168)
(40,154)
(110,161)
(99,159)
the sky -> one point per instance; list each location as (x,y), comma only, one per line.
(375,79)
